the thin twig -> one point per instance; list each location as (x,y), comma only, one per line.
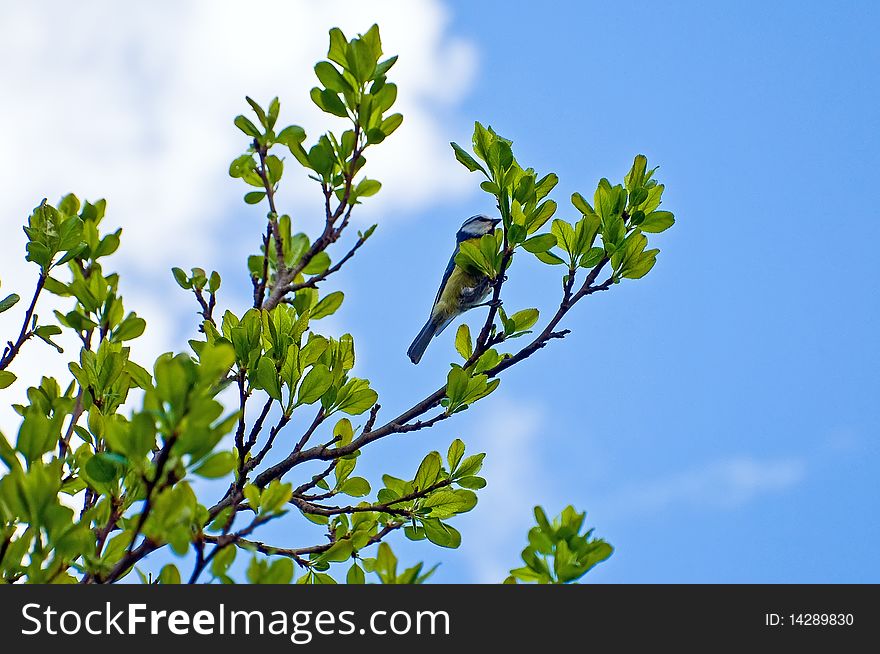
(12,349)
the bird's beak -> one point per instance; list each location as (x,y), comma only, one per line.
(495,221)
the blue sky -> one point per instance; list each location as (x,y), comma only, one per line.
(718,419)
(754,339)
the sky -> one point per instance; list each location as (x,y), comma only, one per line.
(717,420)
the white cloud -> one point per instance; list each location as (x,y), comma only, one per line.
(134,103)
(509,432)
(724,484)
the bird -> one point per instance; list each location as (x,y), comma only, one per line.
(460,289)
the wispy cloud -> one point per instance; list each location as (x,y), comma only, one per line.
(134,103)
(722,484)
(509,433)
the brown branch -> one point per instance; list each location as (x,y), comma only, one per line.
(273,432)
(223,541)
(281,468)
(384,507)
(402,424)
(482,343)
(272,230)
(312,282)
(260,283)
(258,425)
(64,443)
(126,562)
(549,333)
(161,460)
(207,306)
(299,490)
(242,404)
(328,236)
(299,554)
(12,349)
(263,172)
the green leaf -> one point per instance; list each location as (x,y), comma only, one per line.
(170,575)
(516,234)
(455,454)
(320,159)
(581,204)
(472,257)
(355,575)
(315,384)
(274,108)
(275,497)
(214,282)
(463,344)
(524,319)
(45,333)
(456,384)
(291,136)
(355,397)
(254,197)
(466,159)
(428,472)
(440,533)
(549,258)
(280,572)
(541,215)
(222,560)
(331,78)
(367,187)
(103,467)
(642,266)
(543,522)
(390,124)
(636,176)
(565,236)
(6,379)
(246,126)
(267,377)
(130,328)
(384,66)
(446,503)
(215,466)
(181,278)
(472,482)
(338,47)
(328,305)
(356,487)
(329,102)
(319,263)
(8,302)
(361,60)
(539,243)
(470,466)
(592,257)
(258,110)
(657,221)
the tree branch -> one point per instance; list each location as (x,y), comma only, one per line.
(298,554)
(12,349)
(328,236)
(384,507)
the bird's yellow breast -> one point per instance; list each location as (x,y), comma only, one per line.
(449,302)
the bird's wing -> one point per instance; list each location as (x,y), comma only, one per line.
(446,275)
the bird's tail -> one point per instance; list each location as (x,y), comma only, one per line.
(434,326)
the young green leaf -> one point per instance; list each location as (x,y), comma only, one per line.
(463,344)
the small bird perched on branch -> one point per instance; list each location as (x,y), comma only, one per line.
(460,289)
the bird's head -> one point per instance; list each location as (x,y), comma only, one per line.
(475,227)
